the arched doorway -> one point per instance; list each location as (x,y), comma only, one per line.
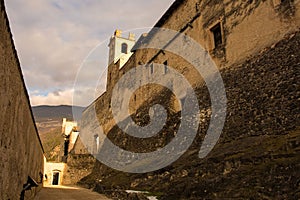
(55,180)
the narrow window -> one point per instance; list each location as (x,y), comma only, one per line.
(96,144)
(66,145)
(151,68)
(182,100)
(165,67)
(124,48)
(217,35)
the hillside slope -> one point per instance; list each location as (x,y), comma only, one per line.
(49,121)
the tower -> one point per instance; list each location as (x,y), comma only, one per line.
(119,47)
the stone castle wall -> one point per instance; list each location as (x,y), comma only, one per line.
(257,154)
(78,166)
(258,61)
(247,27)
(21,151)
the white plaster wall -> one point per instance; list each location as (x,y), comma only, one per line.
(50,168)
(117,45)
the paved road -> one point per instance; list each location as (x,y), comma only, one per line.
(68,193)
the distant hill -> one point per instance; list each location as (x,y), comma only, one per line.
(55,112)
(53,144)
(48,118)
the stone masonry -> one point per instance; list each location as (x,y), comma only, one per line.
(255,46)
(21,151)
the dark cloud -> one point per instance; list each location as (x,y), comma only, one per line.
(56,93)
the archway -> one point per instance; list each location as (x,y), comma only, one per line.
(55,180)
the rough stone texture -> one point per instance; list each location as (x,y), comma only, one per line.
(21,152)
(259,62)
(78,166)
(248,27)
(79,148)
(257,154)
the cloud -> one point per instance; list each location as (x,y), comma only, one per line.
(53,38)
(53,98)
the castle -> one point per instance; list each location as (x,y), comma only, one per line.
(230,31)
(253,44)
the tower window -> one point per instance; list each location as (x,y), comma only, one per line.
(124,48)
(165,67)
(217,35)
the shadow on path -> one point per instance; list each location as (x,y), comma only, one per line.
(68,193)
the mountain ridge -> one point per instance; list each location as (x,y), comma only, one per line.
(43,112)
(49,118)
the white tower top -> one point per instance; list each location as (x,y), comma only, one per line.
(120,47)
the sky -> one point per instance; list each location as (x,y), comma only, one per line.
(62,44)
